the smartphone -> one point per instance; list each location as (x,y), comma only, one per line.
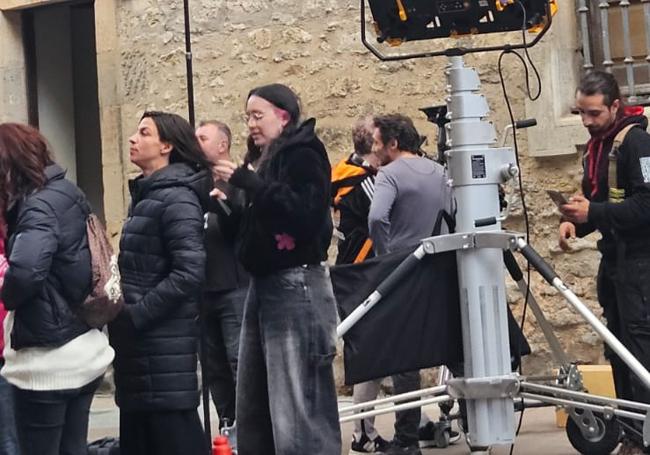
(557,197)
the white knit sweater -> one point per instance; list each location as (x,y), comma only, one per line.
(71,366)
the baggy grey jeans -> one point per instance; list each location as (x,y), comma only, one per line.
(286,397)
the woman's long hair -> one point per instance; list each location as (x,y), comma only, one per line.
(283,98)
(24,155)
(177,131)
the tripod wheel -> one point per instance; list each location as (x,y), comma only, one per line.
(603,442)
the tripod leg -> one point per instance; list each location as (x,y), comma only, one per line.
(558,354)
(608,337)
(444,374)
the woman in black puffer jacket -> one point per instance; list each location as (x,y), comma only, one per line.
(53,360)
(162,263)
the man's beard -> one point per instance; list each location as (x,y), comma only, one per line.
(384,158)
(594,131)
(598,130)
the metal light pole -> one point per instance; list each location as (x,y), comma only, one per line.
(188,63)
(191,119)
(476,169)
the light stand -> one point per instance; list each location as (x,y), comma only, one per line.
(476,170)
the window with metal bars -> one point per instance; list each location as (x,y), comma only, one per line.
(616,38)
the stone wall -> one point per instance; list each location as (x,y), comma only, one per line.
(577,268)
(314,47)
(13,105)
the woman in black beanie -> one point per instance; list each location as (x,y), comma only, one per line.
(286,398)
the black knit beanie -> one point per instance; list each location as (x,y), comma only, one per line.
(280,96)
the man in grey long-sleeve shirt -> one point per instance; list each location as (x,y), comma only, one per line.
(410,192)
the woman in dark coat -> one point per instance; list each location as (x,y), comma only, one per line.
(286,399)
(162,263)
(53,360)
(8,437)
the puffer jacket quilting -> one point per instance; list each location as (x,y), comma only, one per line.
(162,264)
(50,271)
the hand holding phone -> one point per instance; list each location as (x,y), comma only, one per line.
(558,198)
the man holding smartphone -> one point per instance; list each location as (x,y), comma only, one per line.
(616,202)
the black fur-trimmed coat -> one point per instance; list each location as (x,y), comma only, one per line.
(287,222)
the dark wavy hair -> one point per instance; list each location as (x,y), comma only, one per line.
(281,97)
(597,82)
(178,132)
(400,128)
(24,155)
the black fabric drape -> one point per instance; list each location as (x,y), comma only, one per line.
(416,325)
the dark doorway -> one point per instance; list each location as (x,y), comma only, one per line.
(61,58)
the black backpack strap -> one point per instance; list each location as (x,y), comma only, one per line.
(449,220)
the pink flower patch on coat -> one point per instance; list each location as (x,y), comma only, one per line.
(285,242)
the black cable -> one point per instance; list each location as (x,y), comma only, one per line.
(524,208)
(530,61)
(519,177)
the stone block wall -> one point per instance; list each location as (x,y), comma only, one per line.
(314,47)
(13,104)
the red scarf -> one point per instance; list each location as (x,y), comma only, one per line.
(597,143)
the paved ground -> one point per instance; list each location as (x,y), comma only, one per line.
(538,436)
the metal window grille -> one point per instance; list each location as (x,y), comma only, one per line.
(616,38)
